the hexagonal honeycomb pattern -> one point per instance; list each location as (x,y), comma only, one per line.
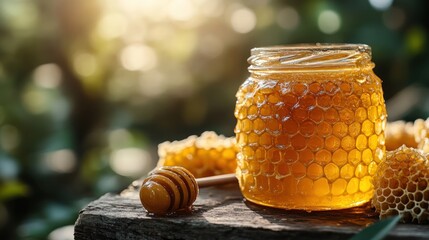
(312,143)
(207,155)
(402,185)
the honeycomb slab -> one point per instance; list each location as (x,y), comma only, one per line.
(207,155)
(402,185)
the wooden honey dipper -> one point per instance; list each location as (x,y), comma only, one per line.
(173,188)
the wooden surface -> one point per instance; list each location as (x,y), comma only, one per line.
(221,213)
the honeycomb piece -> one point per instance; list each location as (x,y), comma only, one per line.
(401,185)
(207,155)
(399,133)
(410,134)
(424,145)
(421,130)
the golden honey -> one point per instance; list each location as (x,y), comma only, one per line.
(310,127)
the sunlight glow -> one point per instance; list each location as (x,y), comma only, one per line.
(181,10)
(211,8)
(131,6)
(154,10)
(112,26)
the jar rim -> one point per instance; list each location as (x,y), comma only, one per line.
(314,47)
(306,57)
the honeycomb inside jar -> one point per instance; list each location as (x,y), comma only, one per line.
(310,140)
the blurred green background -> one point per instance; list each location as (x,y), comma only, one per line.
(88,89)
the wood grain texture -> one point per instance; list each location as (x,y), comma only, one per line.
(221,213)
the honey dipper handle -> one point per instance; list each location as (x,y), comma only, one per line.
(216,180)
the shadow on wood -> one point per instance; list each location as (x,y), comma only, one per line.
(221,213)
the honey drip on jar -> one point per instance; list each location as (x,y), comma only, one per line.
(310,127)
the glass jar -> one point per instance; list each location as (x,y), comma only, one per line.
(310,126)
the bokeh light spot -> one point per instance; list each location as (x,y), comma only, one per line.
(416,40)
(288,18)
(381,4)
(62,233)
(119,138)
(35,100)
(85,64)
(60,161)
(47,75)
(136,57)
(21,15)
(8,168)
(243,20)
(130,162)
(329,22)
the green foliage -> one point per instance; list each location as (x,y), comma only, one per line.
(12,189)
(378,230)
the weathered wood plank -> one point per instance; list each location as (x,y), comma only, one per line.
(220,213)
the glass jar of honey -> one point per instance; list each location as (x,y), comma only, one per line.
(310,126)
